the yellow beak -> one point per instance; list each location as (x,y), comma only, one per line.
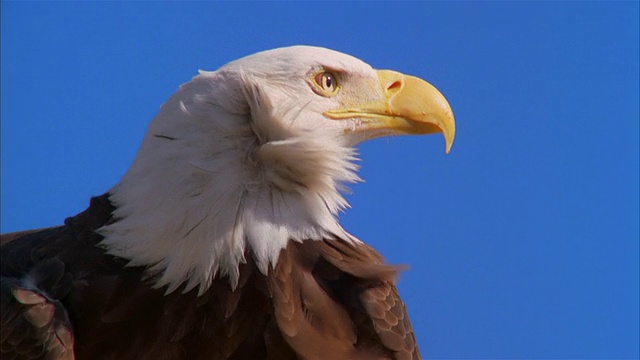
(409,106)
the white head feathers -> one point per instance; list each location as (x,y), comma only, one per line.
(238,161)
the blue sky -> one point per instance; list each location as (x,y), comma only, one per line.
(522,243)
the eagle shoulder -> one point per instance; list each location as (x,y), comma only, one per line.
(40,271)
(333,297)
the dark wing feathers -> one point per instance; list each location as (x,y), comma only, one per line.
(303,324)
(323,300)
(359,260)
(332,297)
(5,238)
(36,281)
(390,320)
(40,328)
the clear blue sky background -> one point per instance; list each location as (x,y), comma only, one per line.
(523,242)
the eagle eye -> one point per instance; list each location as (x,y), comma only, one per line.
(325,83)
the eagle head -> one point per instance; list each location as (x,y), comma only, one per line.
(244,159)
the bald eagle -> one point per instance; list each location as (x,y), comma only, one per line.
(221,241)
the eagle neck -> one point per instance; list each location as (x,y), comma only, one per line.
(199,199)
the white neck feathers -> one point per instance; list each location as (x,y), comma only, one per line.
(209,186)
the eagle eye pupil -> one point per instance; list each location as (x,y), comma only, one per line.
(326,83)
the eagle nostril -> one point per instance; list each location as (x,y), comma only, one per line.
(394,86)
